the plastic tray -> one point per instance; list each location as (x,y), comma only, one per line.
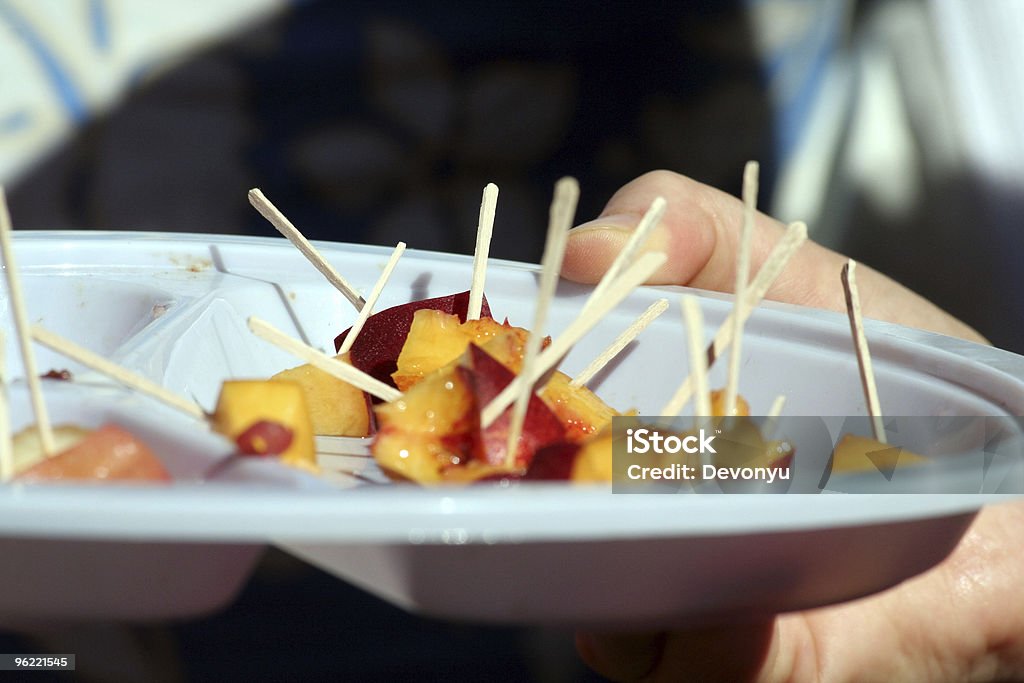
(174,309)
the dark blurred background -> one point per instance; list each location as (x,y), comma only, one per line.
(375,122)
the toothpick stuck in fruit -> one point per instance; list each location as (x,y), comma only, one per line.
(772,417)
(562,212)
(371,300)
(694,321)
(860,342)
(484,228)
(792,239)
(620,343)
(249,412)
(285,227)
(28,357)
(129,379)
(742,273)
(549,359)
(776,408)
(332,366)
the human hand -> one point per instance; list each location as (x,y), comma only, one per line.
(962,620)
(700,235)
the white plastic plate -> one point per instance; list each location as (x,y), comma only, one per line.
(174,309)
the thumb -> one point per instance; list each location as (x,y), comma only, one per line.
(700,234)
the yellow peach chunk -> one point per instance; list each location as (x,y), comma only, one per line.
(428,429)
(437,339)
(593,462)
(863,454)
(718,405)
(27,449)
(582,412)
(336,408)
(244,403)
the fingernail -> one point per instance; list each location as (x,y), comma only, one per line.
(620,222)
(616,230)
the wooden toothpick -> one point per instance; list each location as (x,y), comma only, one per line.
(860,342)
(560,218)
(28,357)
(548,360)
(285,227)
(791,240)
(68,348)
(484,228)
(777,405)
(328,364)
(145,386)
(750,181)
(625,257)
(772,417)
(371,300)
(693,318)
(620,342)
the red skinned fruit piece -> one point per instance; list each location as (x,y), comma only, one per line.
(431,428)
(553,463)
(588,462)
(265,438)
(108,454)
(540,428)
(380,342)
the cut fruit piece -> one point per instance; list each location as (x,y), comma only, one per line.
(336,408)
(554,462)
(380,342)
(864,454)
(244,403)
(588,462)
(508,347)
(430,428)
(738,442)
(594,460)
(264,438)
(579,409)
(477,471)
(108,454)
(437,339)
(540,428)
(434,428)
(28,450)
(434,340)
(718,405)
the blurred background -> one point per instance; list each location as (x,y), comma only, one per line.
(894,128)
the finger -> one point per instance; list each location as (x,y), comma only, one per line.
(737,653)
(621,656)
(700,232)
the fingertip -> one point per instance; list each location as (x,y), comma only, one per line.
(591,249)
(621,657)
